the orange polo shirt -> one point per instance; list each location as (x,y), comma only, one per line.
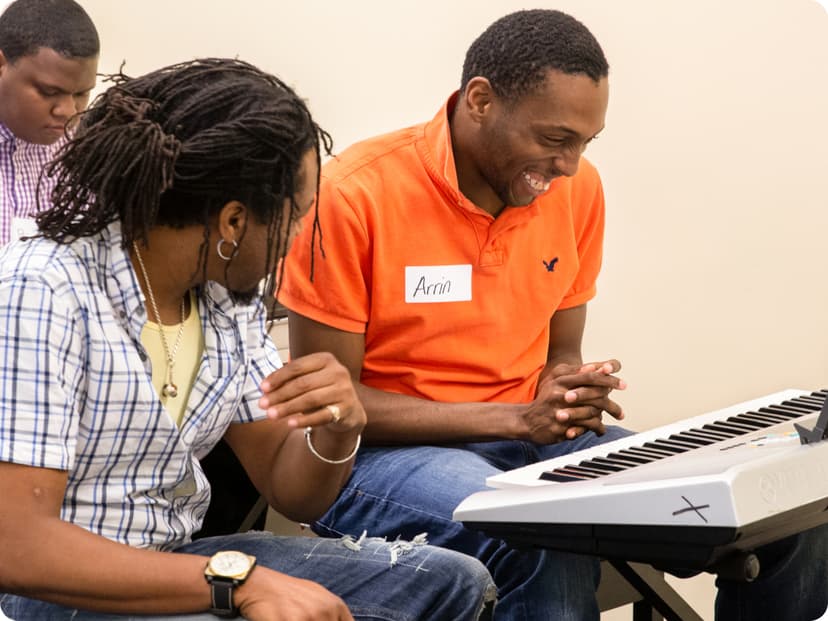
(454,303)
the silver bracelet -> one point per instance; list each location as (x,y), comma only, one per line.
(309,431)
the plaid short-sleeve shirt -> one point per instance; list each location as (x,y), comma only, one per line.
(21,163)
(76,390)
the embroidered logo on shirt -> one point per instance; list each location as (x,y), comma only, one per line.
(550,265)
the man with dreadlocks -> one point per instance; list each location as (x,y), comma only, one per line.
(132,339)
(455,292)
(48,63)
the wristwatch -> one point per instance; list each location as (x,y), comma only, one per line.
(224,571)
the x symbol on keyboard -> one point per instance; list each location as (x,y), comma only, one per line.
(691,507)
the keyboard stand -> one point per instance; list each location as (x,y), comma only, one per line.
(659,597)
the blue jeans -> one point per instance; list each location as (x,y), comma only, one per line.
(792,583)
(379,581)
(403,491)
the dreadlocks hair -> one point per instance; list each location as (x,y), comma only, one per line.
(60,25)
(172,147)
(516,52)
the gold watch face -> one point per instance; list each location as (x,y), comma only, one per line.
(231,564)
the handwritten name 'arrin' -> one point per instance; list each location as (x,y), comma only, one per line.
(435,288)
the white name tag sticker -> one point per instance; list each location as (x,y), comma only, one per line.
(438,283)
(23,227)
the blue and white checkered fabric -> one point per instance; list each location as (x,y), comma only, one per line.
(76,391)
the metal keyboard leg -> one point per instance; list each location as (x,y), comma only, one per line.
(660,596)
(644,611)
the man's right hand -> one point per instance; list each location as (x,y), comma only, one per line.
(571,400)
(268,595)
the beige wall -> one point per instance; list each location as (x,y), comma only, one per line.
(715,159)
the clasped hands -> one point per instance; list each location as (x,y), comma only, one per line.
(571,399)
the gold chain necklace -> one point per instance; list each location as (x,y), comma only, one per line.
(169,389)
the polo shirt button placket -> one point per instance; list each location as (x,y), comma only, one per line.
(492,255)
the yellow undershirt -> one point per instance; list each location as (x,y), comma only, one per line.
(187,359)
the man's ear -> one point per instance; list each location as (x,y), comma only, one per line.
(4,64)
(232,221)
(478,98)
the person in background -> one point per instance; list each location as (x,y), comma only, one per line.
(455,291)
(48,64)
(132,340)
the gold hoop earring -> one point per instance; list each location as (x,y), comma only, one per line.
(232,254)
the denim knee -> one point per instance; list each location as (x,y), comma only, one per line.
(472,583)
(791,585)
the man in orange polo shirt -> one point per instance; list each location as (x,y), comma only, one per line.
(452,280)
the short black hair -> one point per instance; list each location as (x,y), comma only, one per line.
(172,147)
(60,25)
(516,52)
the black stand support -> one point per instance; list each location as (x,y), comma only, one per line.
(659,597)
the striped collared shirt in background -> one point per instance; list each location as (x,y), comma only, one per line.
(21,163)
(76,389)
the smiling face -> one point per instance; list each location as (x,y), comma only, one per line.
(39,93)
(522,146)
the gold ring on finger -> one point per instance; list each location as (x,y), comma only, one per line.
(336,413)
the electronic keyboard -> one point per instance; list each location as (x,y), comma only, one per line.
(691,494)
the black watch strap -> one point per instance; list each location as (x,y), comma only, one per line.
(221,593)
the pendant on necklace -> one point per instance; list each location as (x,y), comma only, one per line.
(169,389)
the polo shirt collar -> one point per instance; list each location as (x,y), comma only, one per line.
(440,155)
(438,137)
